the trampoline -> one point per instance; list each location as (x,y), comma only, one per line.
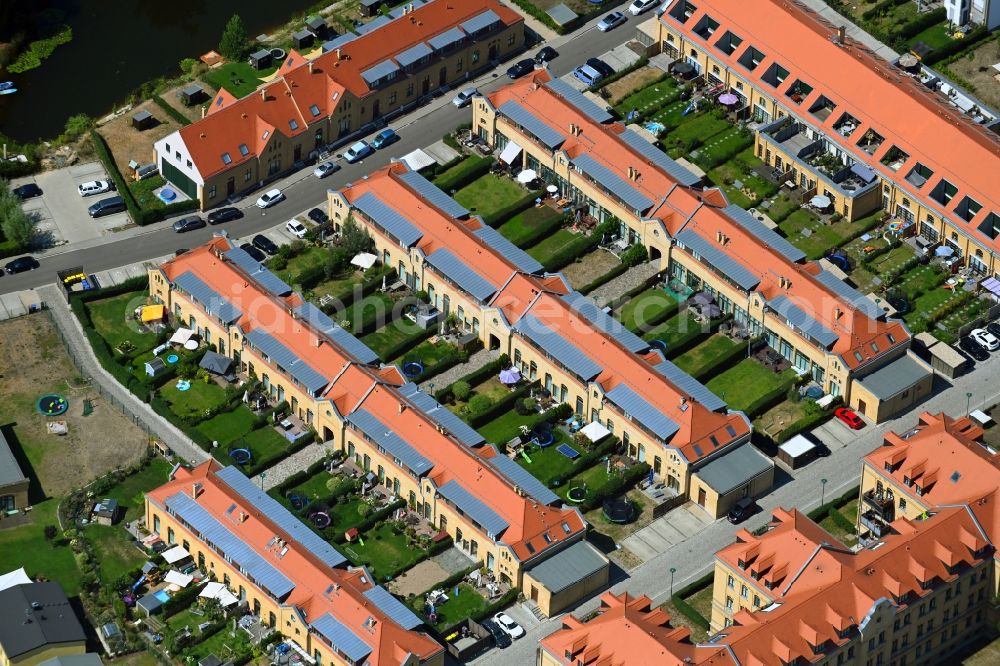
(173,358)
(577,494)
(658,344)
(183,384)
(297,501)
(413,369)
(568,451)
(241,456)
(840,261)
(52,404)
(542,436)
(320,519)
(619,510)
(167,195)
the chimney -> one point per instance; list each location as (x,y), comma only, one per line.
(837,313)
(842,34)
(318,342)
(263,95)
(204,109)
(339,56)
(310,65)
(402,407)
(195,490)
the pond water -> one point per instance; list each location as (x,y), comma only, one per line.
(117,46)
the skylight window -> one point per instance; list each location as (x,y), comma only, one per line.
(314,110)
(226,159)
(244,151)
(266,134)
(294,125)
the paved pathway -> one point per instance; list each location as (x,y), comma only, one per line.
(284,468)
(456,372)
(676,526)
(627,281)
(80,349)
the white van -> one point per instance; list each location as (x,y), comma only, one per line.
(92,187)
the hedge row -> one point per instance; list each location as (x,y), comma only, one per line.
(373,518)
(616,486)
(978,34)
(500,407)
(473,167)
(532,10)
(579,247)
(641,62)
(446,584)
(921,23)
(823,510)
(807,422)
(721,363)
(477,376)
(881,7)
(604,279)
(498,217)
(603,448)
(490,609)
(695,340)
(402,346)
(766,402)
(177,116)
(301,476)
(690,613)
(656,319)
(454,357)
(180,600)
(540,232)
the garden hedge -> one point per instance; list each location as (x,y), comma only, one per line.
(500,407)
(540,232)
(473,167)
(881,7)
(807,422)
(477,376)
(498,217)
(616,486)
(721,363)
(822,511)
(180,600)
(972,39)
(921,23)
(579,247)
(401,347)
(371,519)
(177,116)
(453,357)
(604,279)
(620,74)
(766,402)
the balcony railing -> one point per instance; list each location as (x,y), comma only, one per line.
(871,522)
(881,504)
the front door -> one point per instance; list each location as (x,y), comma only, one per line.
(297,154)
(376,109)
(701,497)
(534,594)
(230,187)
(494,50)
(426,85)
(443,77)
(862,407)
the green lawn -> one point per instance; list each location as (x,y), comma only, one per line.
(228,426)
(344,514)
(315,487)
(695,360)
(341,288)
(594,478)
(129,492)
(781,207)
(548,465)
(935,36)
(924,305)
(308,259)
(488,194)
(142,191)
(266,447)
(115,550)
(504,428)
(650,97)
(678,331)
(820,238)
(694,130)
(523,226)
(26,546)
(747,381)
(431,355)
(112,318)
(221,644)
(864,275)
(645,307)
(739,169)
(457,608)
(671,115)
(375,307)
(384,552)
(393,334)
(920,279)
(548,247)
(195,400)
(716,149)
(239,78)
(492,388)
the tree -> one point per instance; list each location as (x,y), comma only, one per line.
(354,238)
(461,389)
(234,39)
(17,226)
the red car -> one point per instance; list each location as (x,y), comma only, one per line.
(848,416)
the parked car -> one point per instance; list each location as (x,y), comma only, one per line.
(189,223)
(501,639)
(254,252)
(508,625)
(604,68)
(262,242)
(27,191)
(520,68)
(318,216)
(385,138)
(971,346)
(92,187)
(325,169)
(849,417)
(986,339)
(463,98)
(611,21)
(640,6)
(742,510)
(994,328)
(588,75)
(270,198)
(358,151)
(224,215)
(546,54)
(296,228)
(107,207)
(21,264)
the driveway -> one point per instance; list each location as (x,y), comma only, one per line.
(677,526)
(62,212)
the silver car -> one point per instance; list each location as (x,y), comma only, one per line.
(463,98)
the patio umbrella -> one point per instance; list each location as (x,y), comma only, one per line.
(820,201)
(711,311)
(526,176)
(552,189)
(682,67)
(701,298)
(944,251)
(728,99)
(510,376)
(907,60)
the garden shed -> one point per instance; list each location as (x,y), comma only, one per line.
(797,451)
(303,39)
(742,472)
(106,512)
(370,7)
(317,26)
(192,94)
(562,14)
(260,59)
(143,120)
(150,604)
(217,364)
(155,367)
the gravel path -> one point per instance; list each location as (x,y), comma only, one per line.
(628,280)
(454,373)
(296,462)
(79,348)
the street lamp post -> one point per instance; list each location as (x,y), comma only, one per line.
(968,401)
(822,496)
(672,572)
(263,475)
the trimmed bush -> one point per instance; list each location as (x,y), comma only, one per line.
(638,64)
(616,486)
(176,115)
(498,217)
(604,279)
(957,47)
(473,167)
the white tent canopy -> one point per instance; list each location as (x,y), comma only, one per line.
(181,335)
(178,578)
(510,152)
(16,577)
(219,592)
(594,431)
(417,160)
(364,260)
(175,554)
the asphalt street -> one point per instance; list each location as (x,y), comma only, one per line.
(304,191)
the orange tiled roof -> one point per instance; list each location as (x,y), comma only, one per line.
(310,577)
(882,98)
(679,208)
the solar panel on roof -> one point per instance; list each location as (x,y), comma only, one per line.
(612,182)
(383,69)
(338,42)
(281,517)
(556,346)
(642,411)
(340,337)
(381,214)
(480,21)
(849,294)
(342,638)
(442,416)
(579,100)
(659,158)
(802,321)
(605,322)
(446,39)
(474,508)
(433,194)
(413,54)
(262,572)
(210,299)
(523,479)
(769,237)
(743,277)
(690,386)
(393,608)
(512,253)
(544,132)
(282,356)
(373,25)
(386,438)
(257,272)
(461,273)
